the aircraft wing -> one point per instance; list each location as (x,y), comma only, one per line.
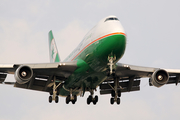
(140,71)
(129,77)
(42,74)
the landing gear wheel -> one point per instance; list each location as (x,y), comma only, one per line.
(112,101)
(90,98)
(94,102)
(56,99)
(75,98)
(113,93)
(73,101)
(88,101)
(119,93)
(96,98)
(68,99)
(50,99)
(118,101)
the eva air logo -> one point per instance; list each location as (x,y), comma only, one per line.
(53,50)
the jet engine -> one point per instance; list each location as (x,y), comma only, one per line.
(159,78)
(23,74)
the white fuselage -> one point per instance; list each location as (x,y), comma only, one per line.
(103,28)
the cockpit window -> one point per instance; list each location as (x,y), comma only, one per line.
(111,19)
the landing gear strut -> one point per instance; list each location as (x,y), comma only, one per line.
(92,99)
(54,92)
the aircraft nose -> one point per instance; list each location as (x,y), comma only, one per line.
(113,43)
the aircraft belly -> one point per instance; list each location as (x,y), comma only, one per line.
(92,63)
(82,82)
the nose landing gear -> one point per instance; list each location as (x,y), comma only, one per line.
(111,71)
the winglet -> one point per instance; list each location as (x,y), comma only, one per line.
(53,51)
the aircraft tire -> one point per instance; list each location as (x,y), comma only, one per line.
(75,98)
(112,101)
(113,93)
(94,102)
(50,99)
(73,101)
(119,93)
(96,98)
(90,98)
(56,99)
(88,101)
(68,99)
(118,101)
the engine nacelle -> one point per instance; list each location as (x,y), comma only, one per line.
(23,74)
(159,78)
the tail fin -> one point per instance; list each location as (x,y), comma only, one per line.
(53,51)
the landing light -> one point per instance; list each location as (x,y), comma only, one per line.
(160,77)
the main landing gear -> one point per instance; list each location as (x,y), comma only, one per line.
(116,90)
(92,99)
(54,92)
(115,93)
(71,97)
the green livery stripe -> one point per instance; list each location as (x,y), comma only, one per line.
(118,33)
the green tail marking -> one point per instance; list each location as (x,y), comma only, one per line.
(53,51)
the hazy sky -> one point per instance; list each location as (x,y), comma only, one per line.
(152,29)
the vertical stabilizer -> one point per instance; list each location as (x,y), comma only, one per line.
(53,51)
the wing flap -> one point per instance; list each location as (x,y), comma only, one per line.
(124,85)
(25,86)
(108,91)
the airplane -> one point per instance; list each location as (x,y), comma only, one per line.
(94,63)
